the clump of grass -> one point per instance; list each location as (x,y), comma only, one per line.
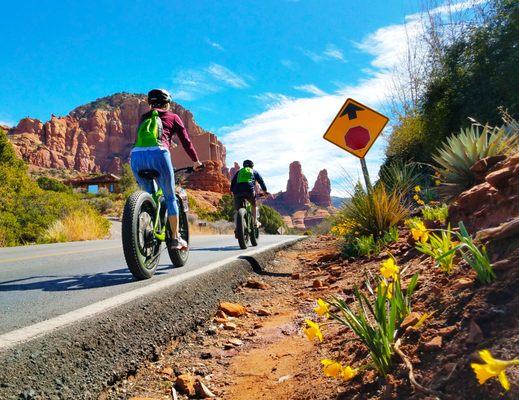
(374,213)
(78,225)
(438,213)
(366,245)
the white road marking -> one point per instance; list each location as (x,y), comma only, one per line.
(30,332)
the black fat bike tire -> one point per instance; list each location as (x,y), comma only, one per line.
(241,233)
(134,258)
(254,235)
(179,257)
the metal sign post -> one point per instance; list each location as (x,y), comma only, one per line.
(369,188)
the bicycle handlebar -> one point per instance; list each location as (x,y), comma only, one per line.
(189,170)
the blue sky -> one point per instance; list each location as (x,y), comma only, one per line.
(266,76)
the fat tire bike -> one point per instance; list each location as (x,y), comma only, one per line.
(145,227)
(244,222)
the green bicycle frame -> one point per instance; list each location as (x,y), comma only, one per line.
(160,234)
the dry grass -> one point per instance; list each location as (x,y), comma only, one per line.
(3,242)
(211,228)
(76,226)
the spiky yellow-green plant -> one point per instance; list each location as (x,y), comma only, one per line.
(460,152)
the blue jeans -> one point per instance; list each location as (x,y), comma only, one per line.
(158,159)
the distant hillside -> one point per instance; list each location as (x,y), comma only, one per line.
(337,202)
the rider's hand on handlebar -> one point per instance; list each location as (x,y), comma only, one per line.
(198,166)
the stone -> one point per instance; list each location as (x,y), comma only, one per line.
(411,319)
(447,331)
(475,334)
(212,330)
(185,384)
(168,371)
(230,326)
(202,391)
(433,344)
(463,283)
(295,276)
(317,283)
(321,192)
(256,284)
(263,312)
(235,342)
(233,309)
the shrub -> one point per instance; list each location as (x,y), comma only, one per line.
(407,141)
(438,213)
(102,204)
(461,151)
(52,184)
(127,183)
(439,248)
(373,213)
(78,225)
(270,219)
(401,177)
(366,245)
(26,210)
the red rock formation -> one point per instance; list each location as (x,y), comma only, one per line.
(297,187)
(492,202)
(98,137)
(320,194)
(211,179)
(234,169)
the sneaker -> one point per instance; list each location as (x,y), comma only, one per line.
(179,244)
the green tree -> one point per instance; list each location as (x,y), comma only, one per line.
(127,183)
(270,219)
(52,184)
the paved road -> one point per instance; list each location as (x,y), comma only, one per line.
(45,281)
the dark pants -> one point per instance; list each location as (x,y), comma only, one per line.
(240,198)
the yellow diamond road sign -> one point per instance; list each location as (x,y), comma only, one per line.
(355,128)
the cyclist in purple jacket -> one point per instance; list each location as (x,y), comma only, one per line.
(157,157)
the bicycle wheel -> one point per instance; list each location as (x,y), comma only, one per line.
(241,228)
(141,247)
(179,257)
(254,232)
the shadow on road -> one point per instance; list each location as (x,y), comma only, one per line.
(256,267)
(223,248)
(54,283)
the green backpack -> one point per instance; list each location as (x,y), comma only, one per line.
(150,131)
(245,175)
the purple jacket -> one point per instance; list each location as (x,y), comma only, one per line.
(173,125)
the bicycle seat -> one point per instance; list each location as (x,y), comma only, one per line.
(148,173)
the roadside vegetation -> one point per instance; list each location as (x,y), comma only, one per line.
(436,152)
(30,211)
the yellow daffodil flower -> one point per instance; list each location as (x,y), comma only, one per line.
(332,369)
(322,308)
(437,182)
(386,288)
(492,368)
(420,202)
(419,232)
(313,331)
(389,269)
(416,197)
(417,188)
(348,373)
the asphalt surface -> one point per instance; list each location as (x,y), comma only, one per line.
(45,281)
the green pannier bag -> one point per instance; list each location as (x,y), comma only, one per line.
(149,133)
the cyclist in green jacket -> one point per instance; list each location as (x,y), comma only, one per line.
(243,186)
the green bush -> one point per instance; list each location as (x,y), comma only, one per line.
(270,219)
(438,213)
(127,183)
(26,210)
(46,183)
(365,246)
(407,141)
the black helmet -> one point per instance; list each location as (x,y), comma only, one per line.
(158,96)
(248,163)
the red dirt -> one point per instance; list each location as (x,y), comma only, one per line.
(276,361)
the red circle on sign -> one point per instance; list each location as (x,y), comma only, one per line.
(357,138)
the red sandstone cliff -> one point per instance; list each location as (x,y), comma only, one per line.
(98,137)
(320,194)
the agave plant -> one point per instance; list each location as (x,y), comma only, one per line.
(461,151)
(401,177)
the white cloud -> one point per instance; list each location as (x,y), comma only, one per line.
(216,45)
(331,52)
(288,64)
(225,75)
(312,89)
(292,128)
(191,84)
